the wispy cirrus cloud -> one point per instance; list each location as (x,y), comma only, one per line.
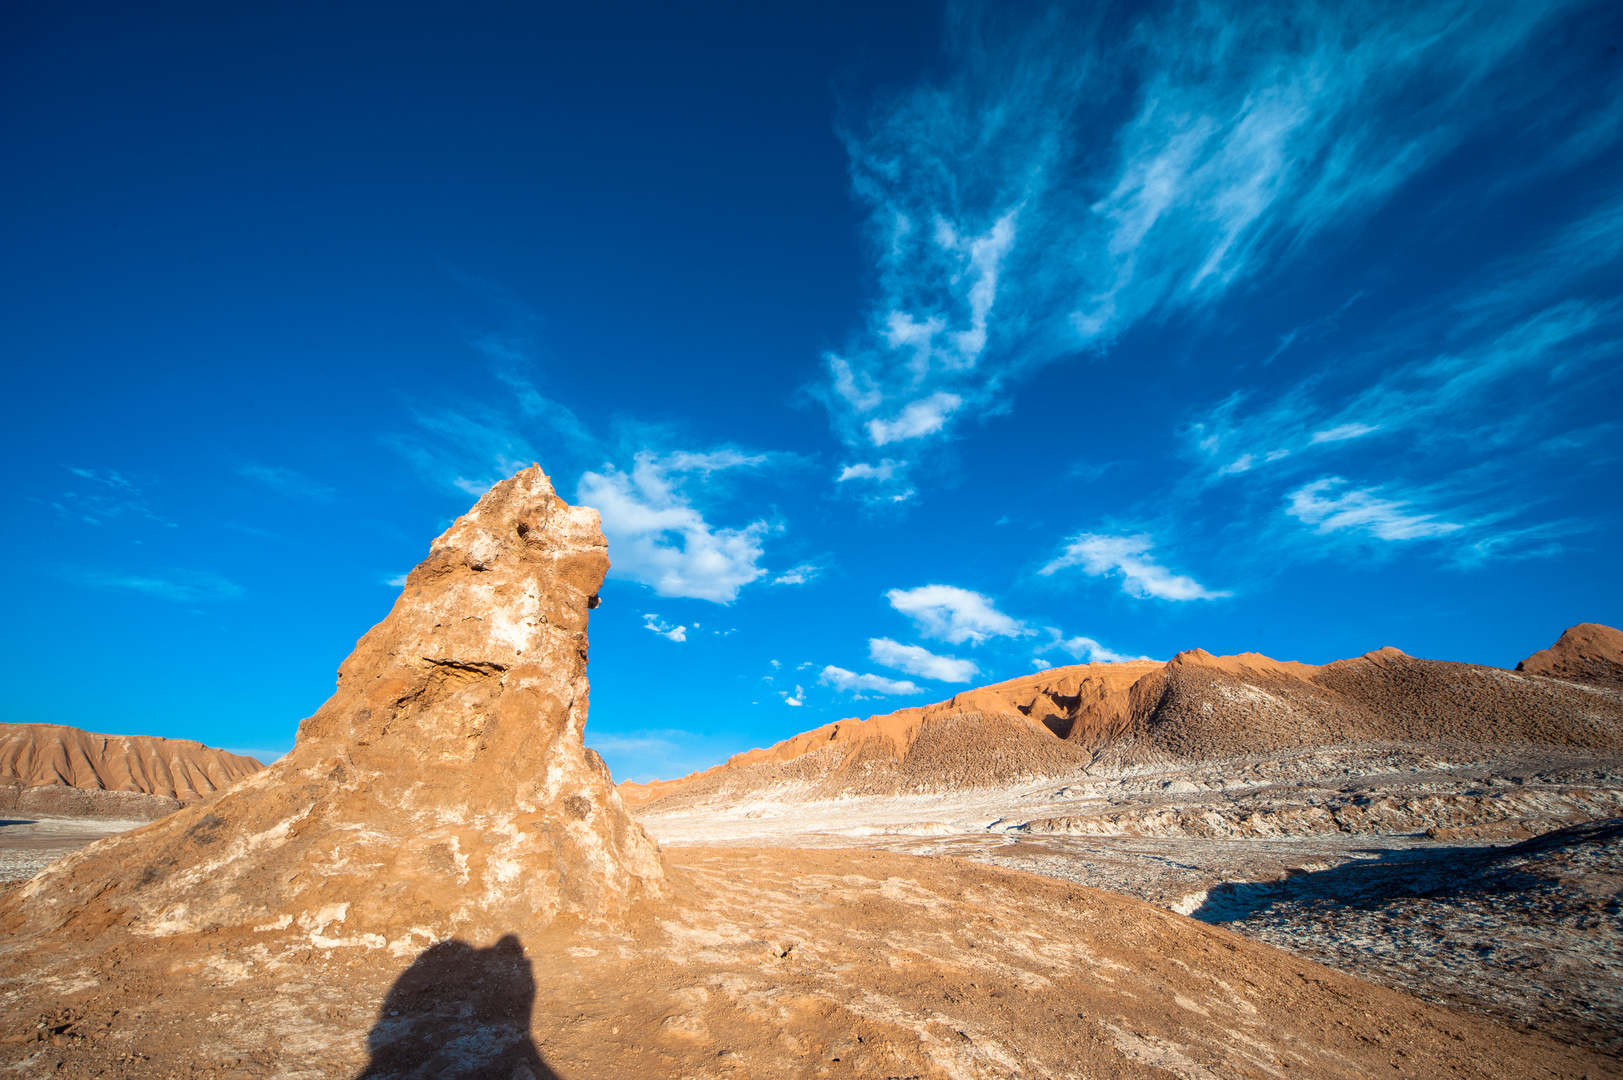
(103,495)
(177,585)
(1073,175)
(1128,557)
(1363,510)
(288,483)
(803,574)
(917,660)
(1463,399)
(948,613)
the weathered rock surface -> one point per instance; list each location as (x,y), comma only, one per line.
(50,770)
(443,789)
(1588,652)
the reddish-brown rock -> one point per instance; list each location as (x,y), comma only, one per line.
(1588,652)
(442,790)
(38,755)
(1194,708)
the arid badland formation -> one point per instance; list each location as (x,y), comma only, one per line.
(441,880)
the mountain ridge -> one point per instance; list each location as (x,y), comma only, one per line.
(1195,707)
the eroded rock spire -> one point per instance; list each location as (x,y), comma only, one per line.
(444,789)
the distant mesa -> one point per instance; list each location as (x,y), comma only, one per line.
(1194,709)
(442,790)
(49,770)
(1589,652)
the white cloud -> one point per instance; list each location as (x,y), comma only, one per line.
(798,575)
(775,664)
(1362,509)
(1098,554)
(843,680)
(1238,465)
(287,482)
(796,699)
(948,613)
(1342,432)
(664,629)
(1020,214)
(180,586)
(916,660)
(398,581)
(864,471)
(923,417)
(658,538)
(1040,664)
(1084,648)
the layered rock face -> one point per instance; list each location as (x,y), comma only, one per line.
(442,790)
(39,755)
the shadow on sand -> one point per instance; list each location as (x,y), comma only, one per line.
(459,1012)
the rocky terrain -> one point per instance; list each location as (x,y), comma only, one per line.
(441,881)
(52,771)
(1099,720)
(1358,813)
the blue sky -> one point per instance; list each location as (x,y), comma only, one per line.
(904,347)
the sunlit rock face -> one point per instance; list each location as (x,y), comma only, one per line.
(444,789)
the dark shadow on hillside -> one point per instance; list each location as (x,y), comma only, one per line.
(459,1012)
(1433,872)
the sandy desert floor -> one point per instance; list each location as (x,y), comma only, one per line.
(991,934)
(764,963)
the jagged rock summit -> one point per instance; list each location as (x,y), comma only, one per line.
(442,790)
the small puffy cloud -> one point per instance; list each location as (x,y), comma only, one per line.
(1388,519)
(661,540)
(398,581)
(1128,556)
(291,484)
(841,679)
(1083,648)
(948,613)
(796,699)
(1342,432)
(862,470)
(664,629)
(1040,664)
(916,660)
(919,418)
(798,575)
(1240,464)
(775,664)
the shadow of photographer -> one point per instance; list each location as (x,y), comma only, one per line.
(459,1012)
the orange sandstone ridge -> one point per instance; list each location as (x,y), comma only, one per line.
(39,755)
(1588,652)
(1196,707)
